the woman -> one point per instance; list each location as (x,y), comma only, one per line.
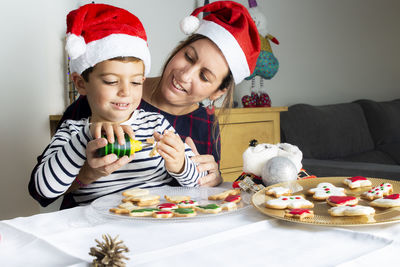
(221,52)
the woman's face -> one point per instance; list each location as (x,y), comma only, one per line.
(194,74)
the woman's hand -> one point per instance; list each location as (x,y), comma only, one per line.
(172,149)
(206,163)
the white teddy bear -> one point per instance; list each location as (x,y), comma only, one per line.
(273,163)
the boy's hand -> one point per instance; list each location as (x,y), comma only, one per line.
(206,163)
(172,149)
(95,167)
(97,129)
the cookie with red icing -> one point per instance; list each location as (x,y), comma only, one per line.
(167,206)
(336,201)
(163,214)
(188,203)
(232,198)
(389,201)
(289,202)
(357,182)
(300,214)
(325,190)
(379,191)
(355,210)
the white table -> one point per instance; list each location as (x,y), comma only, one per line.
(245,238)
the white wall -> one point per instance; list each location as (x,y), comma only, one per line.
(330,51)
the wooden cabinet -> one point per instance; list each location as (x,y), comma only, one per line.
(241,126)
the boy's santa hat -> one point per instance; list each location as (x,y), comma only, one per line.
(229,25)
(97,32)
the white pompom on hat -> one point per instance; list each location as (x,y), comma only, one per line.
(98,32)
(229,25)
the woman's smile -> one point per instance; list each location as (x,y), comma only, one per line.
(177,86)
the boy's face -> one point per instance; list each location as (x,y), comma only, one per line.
(114,90)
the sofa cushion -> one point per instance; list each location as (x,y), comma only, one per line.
(383,120)
(393,150)
(374,156)
(326,132)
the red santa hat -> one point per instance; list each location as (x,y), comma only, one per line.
(97,32)
(229,25)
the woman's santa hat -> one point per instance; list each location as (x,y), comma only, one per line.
(97,32)
(229,25)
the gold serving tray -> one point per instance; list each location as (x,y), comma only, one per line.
(321,215)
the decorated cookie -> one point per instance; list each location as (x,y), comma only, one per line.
(147,200)
(187,204)
(291,202)
(119,211)
(278,191)
(210,208)
(300,214)
(379,191)
(224,194)
(354,210)
(336,201)
(135,192)
(389,201)
(357,182)
(228,206)
(232,198)
(176,199)
(163,214)
(324,190)
(142,212)
(187,212)
(167,206)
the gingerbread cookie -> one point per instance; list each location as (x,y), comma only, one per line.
(224,194)
(379,191)
(176,199)
(291,202)
(278,191)
(336,201)
(187,204)
(210,208)
(232,198)
(357,182)
(187,212)
(324,190)
(300,214)
(167,206)
(163,214)
(389,201)
(355,210)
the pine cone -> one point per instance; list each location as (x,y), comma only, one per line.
(109,253)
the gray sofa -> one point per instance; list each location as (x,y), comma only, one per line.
(347,139)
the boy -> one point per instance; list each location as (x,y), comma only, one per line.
(109,59)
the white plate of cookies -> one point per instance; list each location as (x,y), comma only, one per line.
(170,203)
(332,201)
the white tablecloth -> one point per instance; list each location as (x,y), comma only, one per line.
(245,238)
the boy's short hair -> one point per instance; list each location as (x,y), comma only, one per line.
(85,73)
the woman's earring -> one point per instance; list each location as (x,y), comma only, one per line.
(210,108)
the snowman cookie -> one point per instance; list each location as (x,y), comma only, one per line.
(355,210)
(379,191)
(325,190)
(300,214)
(336,201)
(357,182)
(389,201)
(290,202)
(278,191)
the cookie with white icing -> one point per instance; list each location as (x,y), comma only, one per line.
(163,214)
(336,201)
(289,202)
(135,192)
(357,182)
(389,201)
(167,206)
(228,206)
(188,204)
(325,190)
(176,199)
(300,214)
(355,210)
(379,191)
(278,191)
(142,212)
